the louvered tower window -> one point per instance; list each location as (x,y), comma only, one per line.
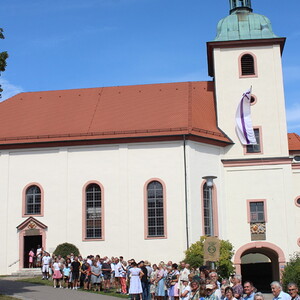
(247,64)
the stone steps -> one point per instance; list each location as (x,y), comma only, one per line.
(33,272)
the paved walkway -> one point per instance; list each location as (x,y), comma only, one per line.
(28,291)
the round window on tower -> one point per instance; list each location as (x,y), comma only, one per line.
(297,201)
(253,100)
(297,158)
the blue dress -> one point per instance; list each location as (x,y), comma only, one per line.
(160,290)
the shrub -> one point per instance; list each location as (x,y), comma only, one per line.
(224,267)
(291,271)
(66,249)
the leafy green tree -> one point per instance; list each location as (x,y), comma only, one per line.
(195,257)
(66,249)
(291,271)
(3,57)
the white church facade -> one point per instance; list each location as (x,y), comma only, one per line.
(143,171)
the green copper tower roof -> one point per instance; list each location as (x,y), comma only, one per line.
(243,24)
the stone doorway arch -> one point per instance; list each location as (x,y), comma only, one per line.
(260,273)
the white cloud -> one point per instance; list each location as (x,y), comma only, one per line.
(9,89)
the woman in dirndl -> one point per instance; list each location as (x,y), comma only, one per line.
(135,288)
(57,274)
(160,282)
(31,256)
(152,281)
(173,283)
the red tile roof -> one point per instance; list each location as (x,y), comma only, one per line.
(294,142)
(153,110)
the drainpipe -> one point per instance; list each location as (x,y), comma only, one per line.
(186,196)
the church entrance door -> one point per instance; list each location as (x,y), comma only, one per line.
(32,233)
(260,262)
(31,242)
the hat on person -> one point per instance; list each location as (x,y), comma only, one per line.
(146,263)
(185,280)
(209,287)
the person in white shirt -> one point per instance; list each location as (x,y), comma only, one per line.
(57,274)
(229,294)
(39,253)
(184,275)
(214,276)
(186,289)
(45,265)
(118,269)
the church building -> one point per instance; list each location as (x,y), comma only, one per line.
(143,171)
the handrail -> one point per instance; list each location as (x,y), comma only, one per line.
(14,263)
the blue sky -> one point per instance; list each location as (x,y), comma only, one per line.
(66,44)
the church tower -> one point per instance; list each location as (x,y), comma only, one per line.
(246,52)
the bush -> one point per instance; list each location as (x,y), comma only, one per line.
(224,267)
(66,249)
(291,271)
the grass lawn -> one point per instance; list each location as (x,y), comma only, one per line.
(38,280)
(3,297)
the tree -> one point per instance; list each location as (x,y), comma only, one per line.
(3,57)
(66,249)
(291,271)
(195,257)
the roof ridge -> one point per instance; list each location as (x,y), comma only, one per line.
(109,86)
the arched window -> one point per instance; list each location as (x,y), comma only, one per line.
(247,65)
(209,210)
(155,210)
(93,212)
(33,200)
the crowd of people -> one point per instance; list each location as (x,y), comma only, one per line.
(143,281)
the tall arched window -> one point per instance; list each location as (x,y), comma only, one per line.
(247,65)
(209,210)
(155,210)
(93,212)
(33,200)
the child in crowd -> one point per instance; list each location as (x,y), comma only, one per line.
(57,275)
(66,272)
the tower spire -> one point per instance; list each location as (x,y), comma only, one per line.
(240,5)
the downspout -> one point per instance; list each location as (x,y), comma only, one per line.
(186,196)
